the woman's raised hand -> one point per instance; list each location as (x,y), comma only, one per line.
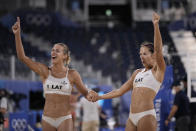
(155,18)
(16,26)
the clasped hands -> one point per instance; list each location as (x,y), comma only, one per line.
(92,96)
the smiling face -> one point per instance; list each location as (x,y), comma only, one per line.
(146,57)
(58,54)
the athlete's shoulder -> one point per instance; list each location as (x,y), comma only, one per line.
(138,70)
(135,72)
(74,73)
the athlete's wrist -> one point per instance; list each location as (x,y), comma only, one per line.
(89,90)
(98,97)
(17,34)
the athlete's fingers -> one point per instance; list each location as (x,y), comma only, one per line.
(18,20)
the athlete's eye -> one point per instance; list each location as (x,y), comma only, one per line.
(57,51)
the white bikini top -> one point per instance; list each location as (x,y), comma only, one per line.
(55,85)
(146,79)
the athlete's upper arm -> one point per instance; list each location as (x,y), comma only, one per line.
(160,61)
(37,67)
(79,84)
(129,84)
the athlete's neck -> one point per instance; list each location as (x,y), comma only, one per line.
(58,67)
(147,68)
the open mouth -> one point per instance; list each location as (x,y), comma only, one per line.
(54,57)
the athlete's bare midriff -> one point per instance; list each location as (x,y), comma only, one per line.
(142,99)
(57,105)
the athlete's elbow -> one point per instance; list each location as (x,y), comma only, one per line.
(22,58)
(19,57)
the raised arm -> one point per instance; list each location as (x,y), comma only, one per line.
(158,44)
(37,67)
(123,89)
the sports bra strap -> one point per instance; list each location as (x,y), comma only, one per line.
(67,72)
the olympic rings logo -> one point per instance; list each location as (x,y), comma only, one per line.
(19,124)
(38,19)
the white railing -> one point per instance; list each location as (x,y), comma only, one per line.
(189,62)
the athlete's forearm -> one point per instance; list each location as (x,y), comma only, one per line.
(19,47)
(110,95)
(157,38)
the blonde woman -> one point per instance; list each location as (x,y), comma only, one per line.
(58,81)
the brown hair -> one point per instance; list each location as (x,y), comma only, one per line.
(149,45)
(66,51)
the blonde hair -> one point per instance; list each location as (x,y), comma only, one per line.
(66,51)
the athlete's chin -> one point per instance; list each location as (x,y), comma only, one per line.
(145,65)
(54,62)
